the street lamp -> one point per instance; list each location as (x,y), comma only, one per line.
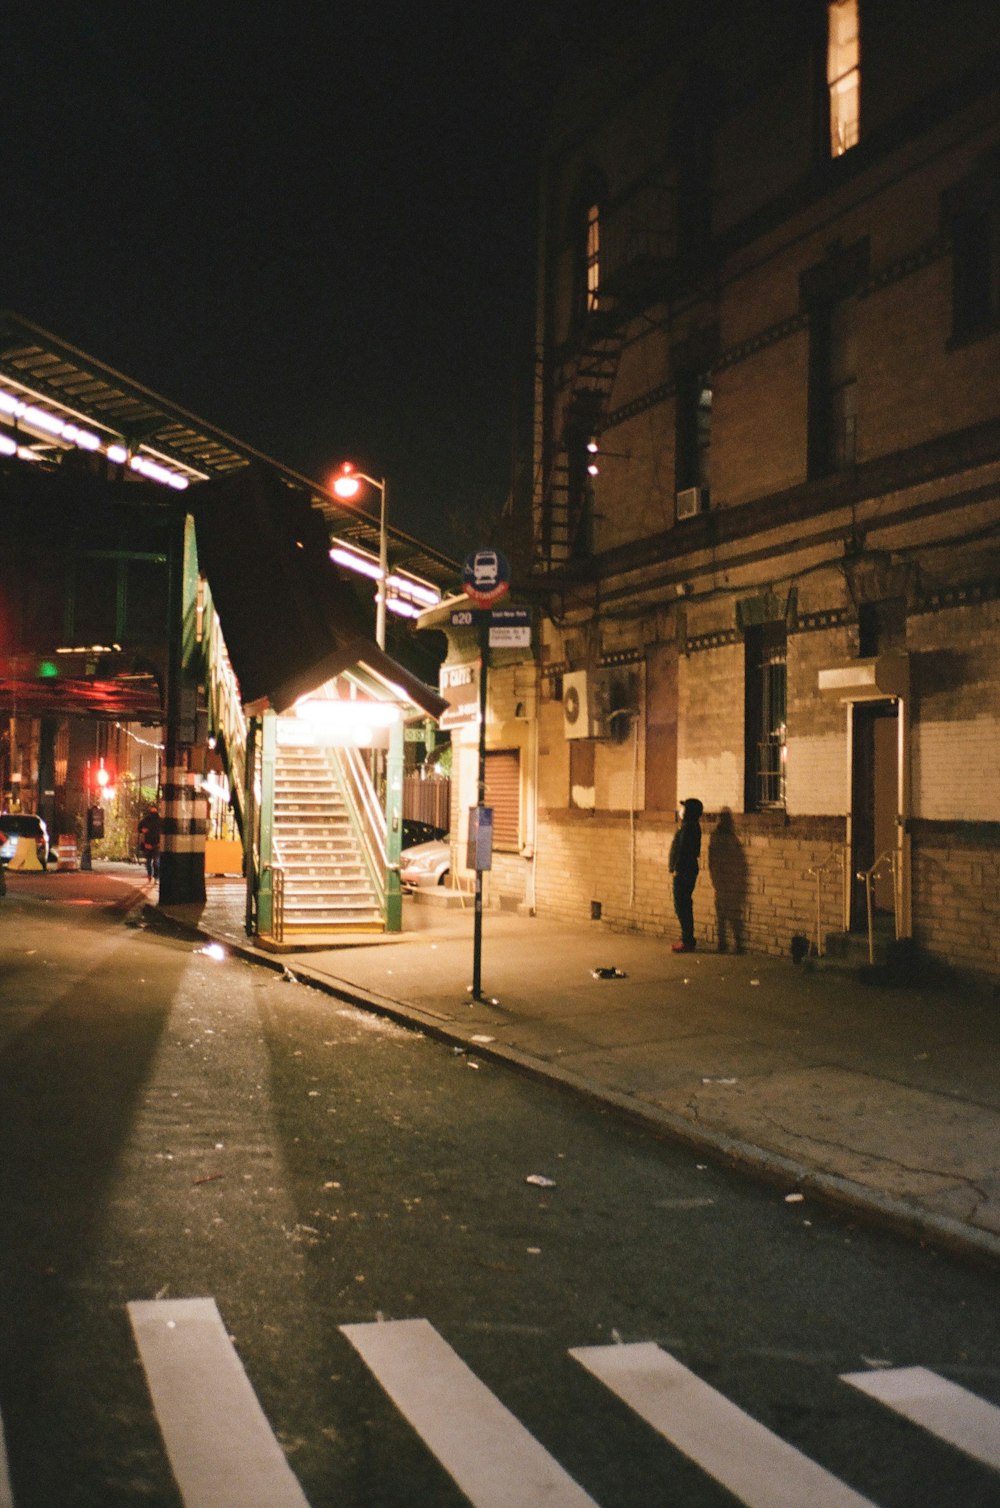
(347,485)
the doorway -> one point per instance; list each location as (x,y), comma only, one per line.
(874,805)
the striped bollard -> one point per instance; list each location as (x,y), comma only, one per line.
(184,828)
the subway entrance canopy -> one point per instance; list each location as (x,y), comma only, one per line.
(97,474)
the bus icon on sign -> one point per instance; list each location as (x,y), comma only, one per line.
(485,577)
(485,568)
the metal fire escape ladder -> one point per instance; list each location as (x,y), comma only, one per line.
(584,389)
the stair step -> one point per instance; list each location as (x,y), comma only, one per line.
(312,852)
(314,916)
(319,866)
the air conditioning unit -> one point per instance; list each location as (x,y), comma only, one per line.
(582,705)
(688,502)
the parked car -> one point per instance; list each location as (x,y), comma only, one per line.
(420,832)
(17,825)
(426,863)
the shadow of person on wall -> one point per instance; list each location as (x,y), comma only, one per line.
(728,867)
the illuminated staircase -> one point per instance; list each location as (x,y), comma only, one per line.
(326,882)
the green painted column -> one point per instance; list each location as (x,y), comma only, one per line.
(394,829)
(267,755)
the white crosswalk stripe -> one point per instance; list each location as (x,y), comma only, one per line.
(941,1407)
(482,1446)
(219,1443)
(755,1465)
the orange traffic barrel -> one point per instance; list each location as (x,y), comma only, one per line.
(67,856)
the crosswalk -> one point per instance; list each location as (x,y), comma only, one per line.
(224,1454)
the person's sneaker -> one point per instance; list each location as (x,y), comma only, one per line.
(682,947)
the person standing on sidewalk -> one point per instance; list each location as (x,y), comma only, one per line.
(149,841)
(683,863)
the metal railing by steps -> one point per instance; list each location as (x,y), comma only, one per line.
(328,884)
(226,711)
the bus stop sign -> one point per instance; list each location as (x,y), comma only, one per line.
(486,577)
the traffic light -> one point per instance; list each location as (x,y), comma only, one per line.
(104,777)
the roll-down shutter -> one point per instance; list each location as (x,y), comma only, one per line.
(503,794)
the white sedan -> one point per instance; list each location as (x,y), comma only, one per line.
(426,863)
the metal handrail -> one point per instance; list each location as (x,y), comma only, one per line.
(817,871)
(369,818)
(226,708)
(277,901)
(886,862)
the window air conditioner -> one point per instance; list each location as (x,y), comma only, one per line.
(581,718)
(688,502)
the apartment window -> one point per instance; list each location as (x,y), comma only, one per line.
(584,234)
(843,75)
(694,435)
(833,411)
(592,260)
(766,648)
(975,243)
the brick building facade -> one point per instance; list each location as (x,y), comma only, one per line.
(763,523)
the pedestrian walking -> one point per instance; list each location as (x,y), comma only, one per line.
(149,841)
(683,863)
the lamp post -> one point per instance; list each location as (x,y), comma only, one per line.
(347,485)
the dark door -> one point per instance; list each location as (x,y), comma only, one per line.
(875,801)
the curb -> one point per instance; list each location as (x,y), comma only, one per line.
(941,1232)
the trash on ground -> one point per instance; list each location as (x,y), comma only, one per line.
(479,1037)
(876,1361)
(540,1181)
(288,977)
(609,973)
(212,950)
(720,1081)
(755,981)
(533,1251)
(209,1178)
(794,1198)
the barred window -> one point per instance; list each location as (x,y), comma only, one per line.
(765,704)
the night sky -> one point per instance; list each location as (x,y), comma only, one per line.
(311,225)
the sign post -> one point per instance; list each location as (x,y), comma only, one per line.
(485,578)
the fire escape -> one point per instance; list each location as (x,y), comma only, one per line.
(574,382)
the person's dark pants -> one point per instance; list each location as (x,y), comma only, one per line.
(684,883)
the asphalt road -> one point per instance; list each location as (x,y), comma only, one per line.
(207,1173)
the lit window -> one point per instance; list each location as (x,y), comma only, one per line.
(593,257)
(843,75)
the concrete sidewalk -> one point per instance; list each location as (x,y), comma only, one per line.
(885,1101)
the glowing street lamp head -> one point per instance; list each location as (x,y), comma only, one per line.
(346,483)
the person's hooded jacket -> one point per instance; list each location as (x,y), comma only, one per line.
(686,846)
